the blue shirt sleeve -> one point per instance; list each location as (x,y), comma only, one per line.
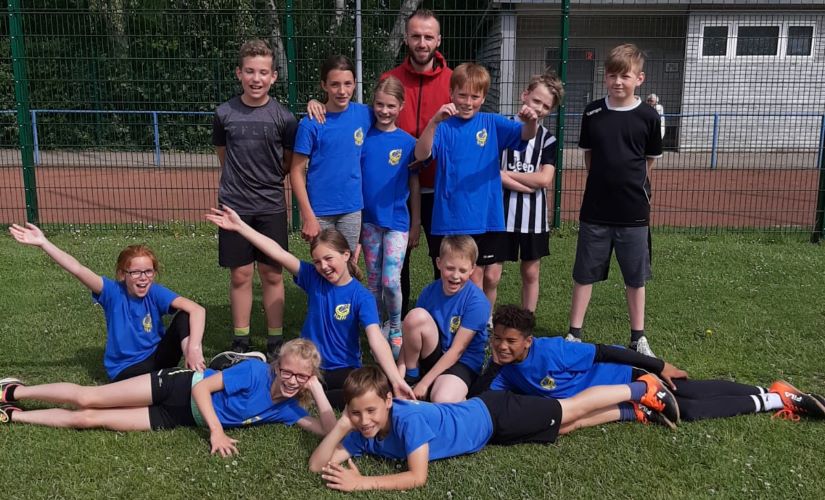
(438,141)
(163,297)
(354,443)
(367,309)
(306,276)
(414,432)
(577,356)
(508,133)
(477,312)
(105,295)
(306,137)
(240,377)
(499,383)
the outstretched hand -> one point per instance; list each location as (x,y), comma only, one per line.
(224,445)
(225,218)
(527,114)
(341,478)
(28,235)
(670,372)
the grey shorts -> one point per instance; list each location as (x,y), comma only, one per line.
(348,224)
(597,242)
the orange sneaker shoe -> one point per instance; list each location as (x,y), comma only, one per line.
(658,397)
(798,402)
(647,416)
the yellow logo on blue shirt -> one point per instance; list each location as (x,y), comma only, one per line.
(250,421)
(358,136)
(548,383)
(481,137)
(147,323)
(455,322)
(341,312)
(395,156)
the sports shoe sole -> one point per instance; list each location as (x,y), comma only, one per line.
(226,359)
(667,397)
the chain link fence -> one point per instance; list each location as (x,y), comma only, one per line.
(106,105)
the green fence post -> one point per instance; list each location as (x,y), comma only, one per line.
(292,91)
(21,97)
(564,53)
(819,217)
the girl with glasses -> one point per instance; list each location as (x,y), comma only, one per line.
(134,305)
(248,393)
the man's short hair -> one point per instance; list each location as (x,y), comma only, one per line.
(472,74)
(515,317)
(460,245)
(624,58)
(255,48)
(421,14)
(363,380)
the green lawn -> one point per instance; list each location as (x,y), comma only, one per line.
(744,307)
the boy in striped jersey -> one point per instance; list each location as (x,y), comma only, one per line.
(525,176)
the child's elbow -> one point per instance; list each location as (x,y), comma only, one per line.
(315,468)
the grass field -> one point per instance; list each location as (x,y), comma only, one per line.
(745,307)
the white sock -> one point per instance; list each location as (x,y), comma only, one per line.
(768,401)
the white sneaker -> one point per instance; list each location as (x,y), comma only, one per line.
(572,338)
(227,359)
(642,347)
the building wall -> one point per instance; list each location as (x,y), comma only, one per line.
(757,85)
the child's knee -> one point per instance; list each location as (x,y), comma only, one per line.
(270,275)
(241,276)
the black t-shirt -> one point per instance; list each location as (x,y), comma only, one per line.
(252,179)
(620,140)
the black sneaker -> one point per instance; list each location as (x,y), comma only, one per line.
(240,344)
(273,347)
(226,359)
(6,409)
(5,384)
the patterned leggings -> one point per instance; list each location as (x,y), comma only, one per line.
(384,253)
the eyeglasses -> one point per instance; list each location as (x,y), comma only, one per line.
(300,377)
(149,273)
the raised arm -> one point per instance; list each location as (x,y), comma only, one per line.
(197,323)
(32,235)
(530,127)
(228,220)
(202,395)
(298,181)
(326,416)
(424,145)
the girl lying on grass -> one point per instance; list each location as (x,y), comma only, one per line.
(248,393)
(338,305)
(136,340)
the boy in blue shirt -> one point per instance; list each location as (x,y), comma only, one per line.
(468,146)
(554,368)
(373,423)
(444,336)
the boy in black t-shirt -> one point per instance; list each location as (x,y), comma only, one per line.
(254,136)
(621,140)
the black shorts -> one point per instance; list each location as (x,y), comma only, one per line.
(459,369)
(171,399)
(491,247)
(167,353)
(525,246)
(522,419)
(235,251)
(595,244)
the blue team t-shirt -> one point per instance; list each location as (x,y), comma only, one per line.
(468,308)
(451,429)
(335,316)
(384,160)
(334,151)
(246,397)
(555,368)
(468,190)
(134,326)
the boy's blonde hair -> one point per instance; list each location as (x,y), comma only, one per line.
(551,81)
(304,350)
(459,245)
(255,48)
(472,74)
(363,380)
(624,58)
(391,86)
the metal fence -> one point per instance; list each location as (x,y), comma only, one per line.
(105,106)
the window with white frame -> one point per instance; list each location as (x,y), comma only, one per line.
(769,39)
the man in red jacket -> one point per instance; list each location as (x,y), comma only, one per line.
(426,80)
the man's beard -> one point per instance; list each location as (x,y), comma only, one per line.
(413,55)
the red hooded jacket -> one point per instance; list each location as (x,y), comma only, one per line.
(424,94)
